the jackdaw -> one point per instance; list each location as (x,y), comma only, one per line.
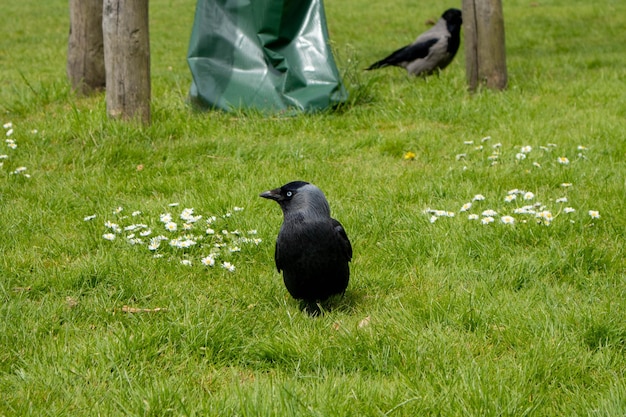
(312,248)
(432,50)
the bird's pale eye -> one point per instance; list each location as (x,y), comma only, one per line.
(289,194)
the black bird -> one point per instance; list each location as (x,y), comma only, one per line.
(312,248)
(432,50)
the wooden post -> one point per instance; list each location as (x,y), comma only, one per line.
(127,59)
(485,55)
(85,54)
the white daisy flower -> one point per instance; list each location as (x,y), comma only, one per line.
(154,244)
(524,210)
(187,243)
(545,216)
(507,220)
(208,261)
(109,236)
(187,216)
(113,226)
(228,266)
(487,220)
(594,214)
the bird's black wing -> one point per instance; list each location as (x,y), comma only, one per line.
(342,238)
(277,255)
(406,54)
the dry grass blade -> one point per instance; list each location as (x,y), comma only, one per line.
(129,309)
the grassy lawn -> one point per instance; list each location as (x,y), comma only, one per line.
(451,310)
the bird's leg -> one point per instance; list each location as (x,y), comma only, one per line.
(313,308)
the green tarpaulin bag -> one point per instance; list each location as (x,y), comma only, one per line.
(267,55)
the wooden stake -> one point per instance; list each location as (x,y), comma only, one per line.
(127,59)
(85,50)
(485,55)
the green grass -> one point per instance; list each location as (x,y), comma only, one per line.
(445,318)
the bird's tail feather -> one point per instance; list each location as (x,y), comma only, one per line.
(379,64)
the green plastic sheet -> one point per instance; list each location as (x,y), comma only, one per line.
(266,55)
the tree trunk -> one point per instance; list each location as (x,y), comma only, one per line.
(85,54)
(127,59)
(485,55)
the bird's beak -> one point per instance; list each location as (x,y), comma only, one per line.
(271,194)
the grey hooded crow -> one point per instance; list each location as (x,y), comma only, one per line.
(312,248)
(433,50)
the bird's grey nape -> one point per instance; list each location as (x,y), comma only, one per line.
(312,201)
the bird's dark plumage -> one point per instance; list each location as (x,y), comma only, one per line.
(312,248)
(432,50)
